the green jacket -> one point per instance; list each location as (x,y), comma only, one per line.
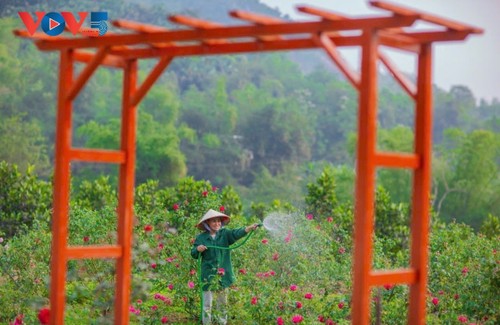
(214,259)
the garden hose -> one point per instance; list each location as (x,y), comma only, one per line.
(199,266)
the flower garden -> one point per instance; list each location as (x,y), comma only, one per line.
(296,272)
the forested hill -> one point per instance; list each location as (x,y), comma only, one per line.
(258,122)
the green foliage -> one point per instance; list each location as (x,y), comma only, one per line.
(95,195)
(233,118)
(321,199)
(158,152)
(463,275)
(303,268)
(300,267)
(391,224)
(469,177)
(23,199)
(22,144)
(491,226)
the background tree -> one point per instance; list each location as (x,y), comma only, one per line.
(22,144)
(475,172)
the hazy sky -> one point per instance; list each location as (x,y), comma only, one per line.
(474,62)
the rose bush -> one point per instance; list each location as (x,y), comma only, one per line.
(297,274)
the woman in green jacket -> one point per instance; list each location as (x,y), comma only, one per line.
(216,268)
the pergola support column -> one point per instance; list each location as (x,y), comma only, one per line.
(421,187)
(61,190)
(126,195)
(365,179)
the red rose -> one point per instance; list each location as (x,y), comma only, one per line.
(388,286)
(44,316)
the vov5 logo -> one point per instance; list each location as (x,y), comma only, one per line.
(54,23)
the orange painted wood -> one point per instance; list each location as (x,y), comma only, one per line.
(259,20)
(285,28)
(407,85)
(326,14)
(126,196)
(255,18)
(87,72)
(430,37)
(232,48)
(402,276)
(111,61)
(150,80)
(88,252)
(420,222)
(144,29)
(199,24)
(445,22)
(337,58)
(397,160)
(59,256)
(138,27)
(95,155)
(365,181)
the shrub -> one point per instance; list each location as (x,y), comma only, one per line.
(23,198)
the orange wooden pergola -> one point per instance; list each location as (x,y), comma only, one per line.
(395,29)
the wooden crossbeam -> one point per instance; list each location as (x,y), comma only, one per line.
(321,13)
(331,49)
(397,160)
(258,20)
(389,39)
(434,19)
(225,32)
(198,24)
(404,82)
(402,276)
(97,155)
(101,252)
(87,72)
(112,61)
(143,29)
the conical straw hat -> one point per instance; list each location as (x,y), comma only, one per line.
(213,214)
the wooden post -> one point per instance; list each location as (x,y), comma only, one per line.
(421,187)
(365,180)
(61,191)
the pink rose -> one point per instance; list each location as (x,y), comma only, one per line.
(297,319)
